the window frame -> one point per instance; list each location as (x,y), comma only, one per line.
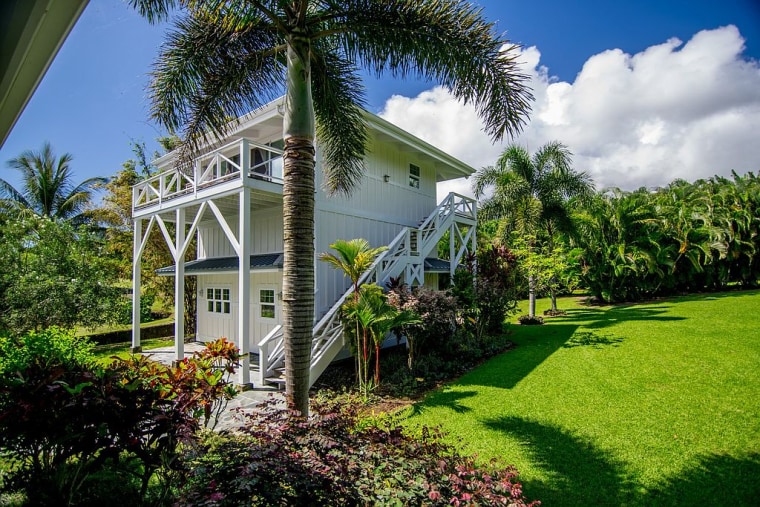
(220,302)
(262,303)
(414,179)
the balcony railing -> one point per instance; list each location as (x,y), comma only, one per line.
(239,159)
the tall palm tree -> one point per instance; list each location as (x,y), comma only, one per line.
(530,194)
(228,57)
(48,190)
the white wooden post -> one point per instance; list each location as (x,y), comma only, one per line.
(136,282)
(244,287)
(245,158)
(179,287)
(452,249)
(263,362)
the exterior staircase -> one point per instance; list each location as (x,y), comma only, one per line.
(405,257)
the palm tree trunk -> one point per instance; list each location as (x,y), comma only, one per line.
(550,249)
(532,296)
(298,229)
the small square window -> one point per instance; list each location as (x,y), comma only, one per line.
(218,300)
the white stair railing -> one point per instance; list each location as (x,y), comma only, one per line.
(399,258)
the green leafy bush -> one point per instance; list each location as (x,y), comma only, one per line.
(54,274)
(77,433)
(124,309)
(436,329)
(336,458)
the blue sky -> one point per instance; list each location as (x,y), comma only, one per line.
(92,100)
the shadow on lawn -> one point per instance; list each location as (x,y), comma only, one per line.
(596,318)
(534,345)
(592,339)
(448,399)
(579,473)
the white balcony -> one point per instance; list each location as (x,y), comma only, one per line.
(242,162)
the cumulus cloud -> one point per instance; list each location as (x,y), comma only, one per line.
(674,110)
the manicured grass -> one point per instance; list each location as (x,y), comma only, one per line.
(122,327)
(105,353)
(649,404)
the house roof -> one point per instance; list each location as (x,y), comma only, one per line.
(220,265)
(267,121)
(225,265)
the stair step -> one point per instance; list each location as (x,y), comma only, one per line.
(278,381)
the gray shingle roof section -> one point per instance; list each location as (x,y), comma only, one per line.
(226,264)
(434,265)
(267,261)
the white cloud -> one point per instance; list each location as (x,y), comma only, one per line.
(672,111)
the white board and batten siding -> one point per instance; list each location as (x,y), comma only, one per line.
(384,204)
(213,325)
(266,235)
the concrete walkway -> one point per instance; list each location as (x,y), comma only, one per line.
(244,402)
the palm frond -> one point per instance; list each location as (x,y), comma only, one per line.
(208,74)
(443,40)
(341,128)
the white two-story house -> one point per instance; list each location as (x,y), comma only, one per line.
(232,203)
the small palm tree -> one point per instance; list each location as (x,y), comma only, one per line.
(227,58)
(354,257)
(530,194)
(384,318)
(48,189)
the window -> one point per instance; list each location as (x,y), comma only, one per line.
(414,176)
(218,300)
(265,163)
(267,308)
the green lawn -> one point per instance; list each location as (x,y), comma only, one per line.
(649,404)
(105,353)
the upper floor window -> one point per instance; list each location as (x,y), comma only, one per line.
(218,300)
(414,176)
(267,163)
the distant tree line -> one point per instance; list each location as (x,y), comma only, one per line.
(684,237)
(620,246)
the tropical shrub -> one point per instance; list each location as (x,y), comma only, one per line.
(69,427)
(437,311)
(684,237)
(54,274)
(487,295)
(124,309)
(337,458)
